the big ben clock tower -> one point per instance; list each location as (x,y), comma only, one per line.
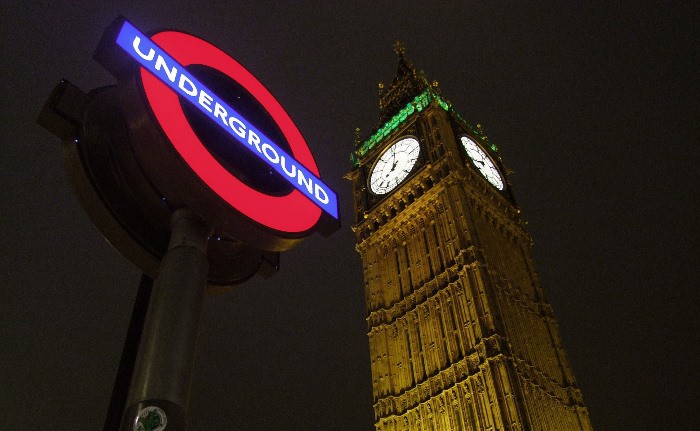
(461,335)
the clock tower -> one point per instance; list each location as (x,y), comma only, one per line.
(461,335)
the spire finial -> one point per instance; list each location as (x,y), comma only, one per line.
(399,49)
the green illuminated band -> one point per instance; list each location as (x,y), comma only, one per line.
(419,103)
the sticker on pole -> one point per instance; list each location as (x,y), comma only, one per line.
(150,419)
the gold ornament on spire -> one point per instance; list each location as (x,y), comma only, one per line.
(399,49)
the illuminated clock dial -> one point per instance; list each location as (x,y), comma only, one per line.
(483,163)
(394,165)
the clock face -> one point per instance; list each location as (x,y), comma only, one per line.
(483,163)
(394,165)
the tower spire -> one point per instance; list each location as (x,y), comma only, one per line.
(406,84)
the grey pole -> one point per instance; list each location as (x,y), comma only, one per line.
(159,391)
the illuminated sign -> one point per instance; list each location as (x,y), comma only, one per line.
(164,77)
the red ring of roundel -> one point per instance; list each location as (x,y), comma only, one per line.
(292,213)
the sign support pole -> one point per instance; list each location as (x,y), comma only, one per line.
(126,364)
(159,391)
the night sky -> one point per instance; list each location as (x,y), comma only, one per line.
(594,107)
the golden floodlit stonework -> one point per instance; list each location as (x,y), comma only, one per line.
(460,332)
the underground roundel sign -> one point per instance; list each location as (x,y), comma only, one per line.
(167,64)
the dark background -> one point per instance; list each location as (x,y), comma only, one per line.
(594,107)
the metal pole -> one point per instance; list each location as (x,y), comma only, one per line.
(128,360)
(159,390)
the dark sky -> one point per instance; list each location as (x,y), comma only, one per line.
(594,107)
